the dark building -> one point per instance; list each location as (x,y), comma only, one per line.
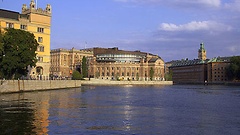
(190,71)
(201,70)
(217,69)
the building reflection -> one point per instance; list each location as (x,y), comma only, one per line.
(41,113)
(24,113)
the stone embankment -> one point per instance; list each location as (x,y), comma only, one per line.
(110,82)
(12,86)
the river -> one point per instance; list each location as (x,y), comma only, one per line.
(136,110)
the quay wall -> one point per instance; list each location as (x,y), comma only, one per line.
(11,86)
(110,82)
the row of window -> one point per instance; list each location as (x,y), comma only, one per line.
(123,68)
(23,27)
(118,74)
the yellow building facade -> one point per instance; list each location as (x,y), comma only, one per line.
(65,61)
(38,22)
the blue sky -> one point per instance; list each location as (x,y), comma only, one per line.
(172,29)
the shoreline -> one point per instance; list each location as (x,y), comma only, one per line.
(19,86)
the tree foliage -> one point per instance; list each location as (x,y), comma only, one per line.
(1,52)
(233,70)
(168,76)
(77,76)
(18,49)
(151,73)
(84,67)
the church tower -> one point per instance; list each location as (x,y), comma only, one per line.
(202,54)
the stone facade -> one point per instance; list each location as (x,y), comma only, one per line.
(64,61)
(115,64)
(11,86)
(38,22)
(189,71)
(201,70)
(217,69)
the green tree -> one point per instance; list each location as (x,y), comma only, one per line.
(168,76)
(1,52)
(233,70)
(19,52)
(77,76)
(151,73)
(84,67)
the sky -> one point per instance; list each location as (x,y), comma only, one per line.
(172,29)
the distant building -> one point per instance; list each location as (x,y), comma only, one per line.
(64,61)
(202,54)
(217,69)
(201,70)
(190,71)
(38,22)
(112,63)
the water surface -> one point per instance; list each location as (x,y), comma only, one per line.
(167,110)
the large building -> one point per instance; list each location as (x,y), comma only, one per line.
(112,63)
(38,22)
(201,70)
(217,69)
(189,71)
(64,61)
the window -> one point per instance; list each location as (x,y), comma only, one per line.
(9,25)
(40,30)
(40,39)
(23,27)
(40,48)
(40,59)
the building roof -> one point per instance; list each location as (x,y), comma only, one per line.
(9,14)
(115,50)
(181,63)
(219,59)
(154,59)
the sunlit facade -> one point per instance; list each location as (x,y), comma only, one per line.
(38,22)
(65,61)
(115,64)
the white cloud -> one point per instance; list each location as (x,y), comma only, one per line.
(195,26)
(235,6)
(212,3)
(234,48)
(209,3)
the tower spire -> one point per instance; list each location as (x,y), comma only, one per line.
(202,54)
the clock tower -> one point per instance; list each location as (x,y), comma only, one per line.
(202,54)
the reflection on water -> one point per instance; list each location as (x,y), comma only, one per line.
(123,110)
(24,113)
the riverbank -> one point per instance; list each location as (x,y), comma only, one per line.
(13,86)
(111,82)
